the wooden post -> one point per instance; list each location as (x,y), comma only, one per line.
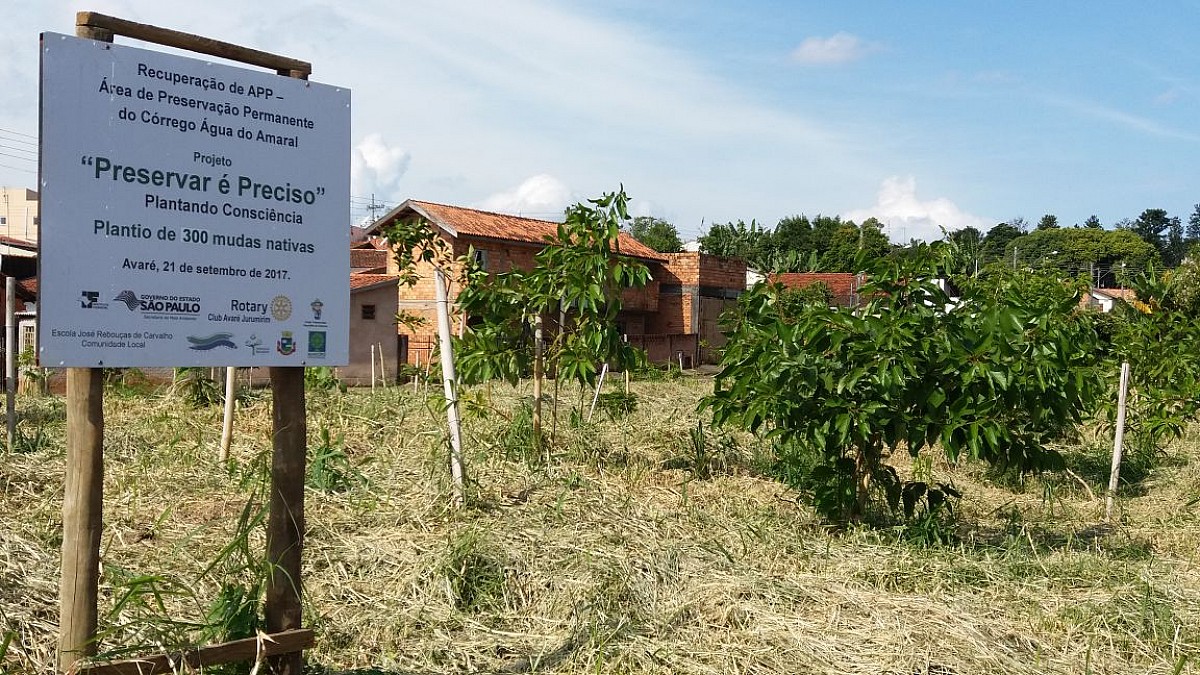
(83,505)
(83,498)
(10,359)
(372,367)
(1118,440)
(285,523)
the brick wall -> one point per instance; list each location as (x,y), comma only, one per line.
(700,269)
(674,315)
(644,299)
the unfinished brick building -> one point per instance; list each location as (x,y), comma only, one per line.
(674,317)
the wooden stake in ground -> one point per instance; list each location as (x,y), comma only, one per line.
(10,359)
(227,421)
(382,368)
(1118,439)
(538,370)
(457,471)
(596,396)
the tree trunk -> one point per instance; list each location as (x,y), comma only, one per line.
(865,464)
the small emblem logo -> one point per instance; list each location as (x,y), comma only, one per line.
(286,344)
(255,345)
(203,343)
(91,300)
(316,344)
(129,298)
(281,308)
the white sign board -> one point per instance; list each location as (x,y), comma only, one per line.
(192,213)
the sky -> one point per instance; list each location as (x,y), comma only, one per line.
(926,115)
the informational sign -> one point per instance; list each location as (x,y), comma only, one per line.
(192,213)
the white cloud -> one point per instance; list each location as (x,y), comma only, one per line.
(376,168)
(540,196)
(836,49)
(907,217)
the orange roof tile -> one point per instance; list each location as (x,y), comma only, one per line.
(460,221)
(368,259)
(360,281)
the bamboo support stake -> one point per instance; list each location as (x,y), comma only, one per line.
(417,371)
(227,421)
(596,396)
(1118,439)
(538,373)
(10,359)
(382,368)
(448,383)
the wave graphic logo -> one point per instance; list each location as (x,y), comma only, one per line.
(130,299)
(207,342)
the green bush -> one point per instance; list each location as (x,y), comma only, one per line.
(993,377)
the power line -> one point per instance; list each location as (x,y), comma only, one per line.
(14,168)
(23,159)
(17,149)
(17,133)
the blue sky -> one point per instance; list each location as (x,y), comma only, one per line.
(925,114)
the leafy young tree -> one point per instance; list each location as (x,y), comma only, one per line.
(1159,336)
(838,390)
(576,283)
(656,233)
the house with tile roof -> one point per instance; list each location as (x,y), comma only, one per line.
(667,317)
(374,345)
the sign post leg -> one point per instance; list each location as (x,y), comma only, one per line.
(83,503)
(285,523)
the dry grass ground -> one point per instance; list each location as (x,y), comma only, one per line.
(629,552)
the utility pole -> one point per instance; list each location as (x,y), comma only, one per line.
(380,206)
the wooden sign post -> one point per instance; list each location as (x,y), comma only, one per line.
(83,498)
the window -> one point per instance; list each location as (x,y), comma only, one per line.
(28,337)
(3,220)
(481,259)
(368,312)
